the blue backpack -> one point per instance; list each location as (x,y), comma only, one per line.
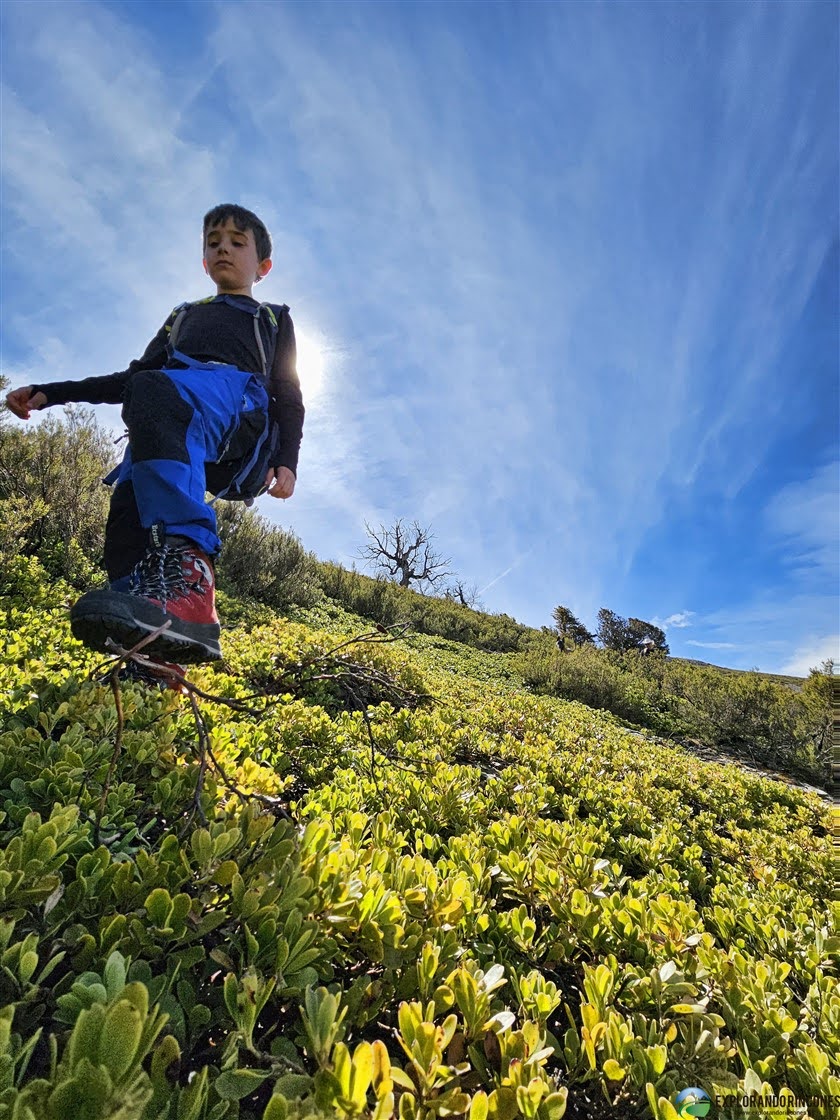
(238,475)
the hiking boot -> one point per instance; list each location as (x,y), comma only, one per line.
(173,583)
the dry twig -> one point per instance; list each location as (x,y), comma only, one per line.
(352,678)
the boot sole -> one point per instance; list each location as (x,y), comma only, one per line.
(127,619)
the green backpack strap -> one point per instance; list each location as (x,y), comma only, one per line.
(179,313)
(176,318)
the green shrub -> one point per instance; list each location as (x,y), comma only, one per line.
(501,905)
(386,603)
(52,500)
(263,562)
(747,712)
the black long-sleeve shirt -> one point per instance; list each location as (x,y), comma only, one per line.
(214,331)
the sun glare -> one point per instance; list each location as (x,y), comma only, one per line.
(310,363)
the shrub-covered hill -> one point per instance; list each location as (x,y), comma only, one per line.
(483,904)
(781,723)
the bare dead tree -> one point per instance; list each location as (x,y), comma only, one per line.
(405,551)
(463,593)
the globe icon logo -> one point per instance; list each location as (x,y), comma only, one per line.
(692,1102)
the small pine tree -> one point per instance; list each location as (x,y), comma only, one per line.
(570,628)
(625,634)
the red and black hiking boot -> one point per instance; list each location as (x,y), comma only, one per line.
(173,583)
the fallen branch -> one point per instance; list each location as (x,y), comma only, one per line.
(207,758)
(352,678)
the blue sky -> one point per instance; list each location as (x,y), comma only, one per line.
(570,272)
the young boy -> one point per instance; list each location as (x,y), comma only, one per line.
(217,379)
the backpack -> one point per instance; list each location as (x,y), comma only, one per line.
(238,475)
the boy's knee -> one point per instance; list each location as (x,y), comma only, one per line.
(157,417)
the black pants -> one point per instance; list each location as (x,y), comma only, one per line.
(126,540)
(160,422)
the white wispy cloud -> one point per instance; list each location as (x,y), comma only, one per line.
(496,384)
(712,645)
(497,579)
(676,621)
(525,276)
(446,433)
(800,524)
(812,654)
(758,631)
(463,278)
(806,515)
(100,188)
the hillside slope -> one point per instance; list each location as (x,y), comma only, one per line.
(450,897)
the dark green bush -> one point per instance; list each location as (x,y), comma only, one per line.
(386,603)
(262,561)
(52,500)
(750,713)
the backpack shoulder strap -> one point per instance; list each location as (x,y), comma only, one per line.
(273,327)
(176,318)
(173,323)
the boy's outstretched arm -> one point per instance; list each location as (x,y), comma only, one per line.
(108,389)
(22,401)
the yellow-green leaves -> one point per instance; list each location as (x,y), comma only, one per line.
(322,1021)
(473,989)
(482,908)
(245,999)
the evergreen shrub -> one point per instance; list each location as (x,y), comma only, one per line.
(52,500)
(262,561)
(498,906)
(749,713)
(386,603)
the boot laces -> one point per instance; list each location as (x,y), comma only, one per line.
(160,575)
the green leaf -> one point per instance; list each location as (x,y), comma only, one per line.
(276,1109)
(293,1085)
(234,1084)
(478,1106)
(115,974)
(554,1105)
(158,907)
(120,1038)
(231,993)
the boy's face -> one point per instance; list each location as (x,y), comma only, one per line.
(230,259)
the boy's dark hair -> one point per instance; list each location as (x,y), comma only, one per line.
(243,219)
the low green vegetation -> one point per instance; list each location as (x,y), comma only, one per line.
(749,714)
(427,873)
(387,603)
(779,723)
(435,893)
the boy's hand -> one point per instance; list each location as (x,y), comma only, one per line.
(280,482)
(21,401)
